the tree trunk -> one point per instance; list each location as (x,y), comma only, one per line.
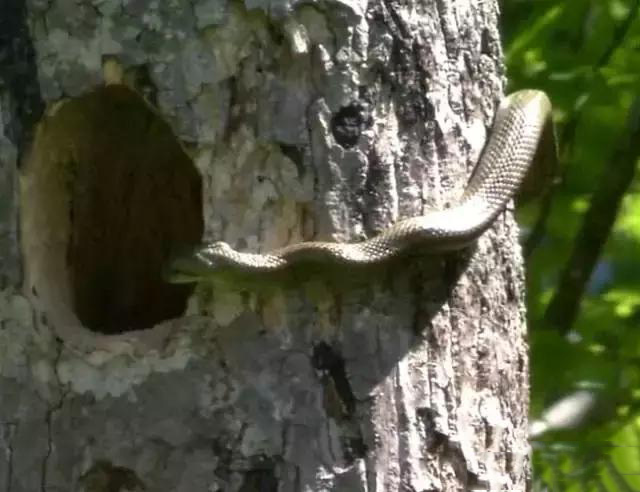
(292,122)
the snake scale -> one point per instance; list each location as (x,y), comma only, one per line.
(505,161)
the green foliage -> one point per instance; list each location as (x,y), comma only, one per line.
(586,56)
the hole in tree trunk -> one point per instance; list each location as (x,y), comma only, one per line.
(107,195)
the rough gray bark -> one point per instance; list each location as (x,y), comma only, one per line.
(321,120)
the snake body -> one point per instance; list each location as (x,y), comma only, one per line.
(506,159)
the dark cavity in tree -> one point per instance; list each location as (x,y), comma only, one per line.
(112,196)
(347,125)
(103,476)
(262,478)
(326,359)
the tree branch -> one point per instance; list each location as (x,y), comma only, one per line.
(538,230)
(596,228)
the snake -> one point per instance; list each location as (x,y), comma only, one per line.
(507,158)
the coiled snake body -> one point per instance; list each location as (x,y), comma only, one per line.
(505,161)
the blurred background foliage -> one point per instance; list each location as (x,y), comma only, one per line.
(582,241)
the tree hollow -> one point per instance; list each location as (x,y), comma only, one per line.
(108,195)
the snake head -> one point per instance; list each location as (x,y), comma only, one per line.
(200,263)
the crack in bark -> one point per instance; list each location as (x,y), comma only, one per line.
(599,220)
(325,358)
(449,38)
(49,418)
(11,429)
(538,231)
(397,26)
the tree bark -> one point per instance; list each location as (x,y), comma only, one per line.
(305,121)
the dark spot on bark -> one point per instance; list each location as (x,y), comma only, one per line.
(429,110)
(235,116)
(103,476)
(469,64)
(488,437)
(451,271)
(376,174)
(475,483)
(296,154)
(326,359)
(376,186)
(411,108)
(434,439)
(366,94)
(224,458)
(261,478)
(441,145)
(511,290)
(276,32)
(347,124)
(484,302)
(354,449)
(241,243)
(18,74)
(487,43)
(144,85)
(508,458)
